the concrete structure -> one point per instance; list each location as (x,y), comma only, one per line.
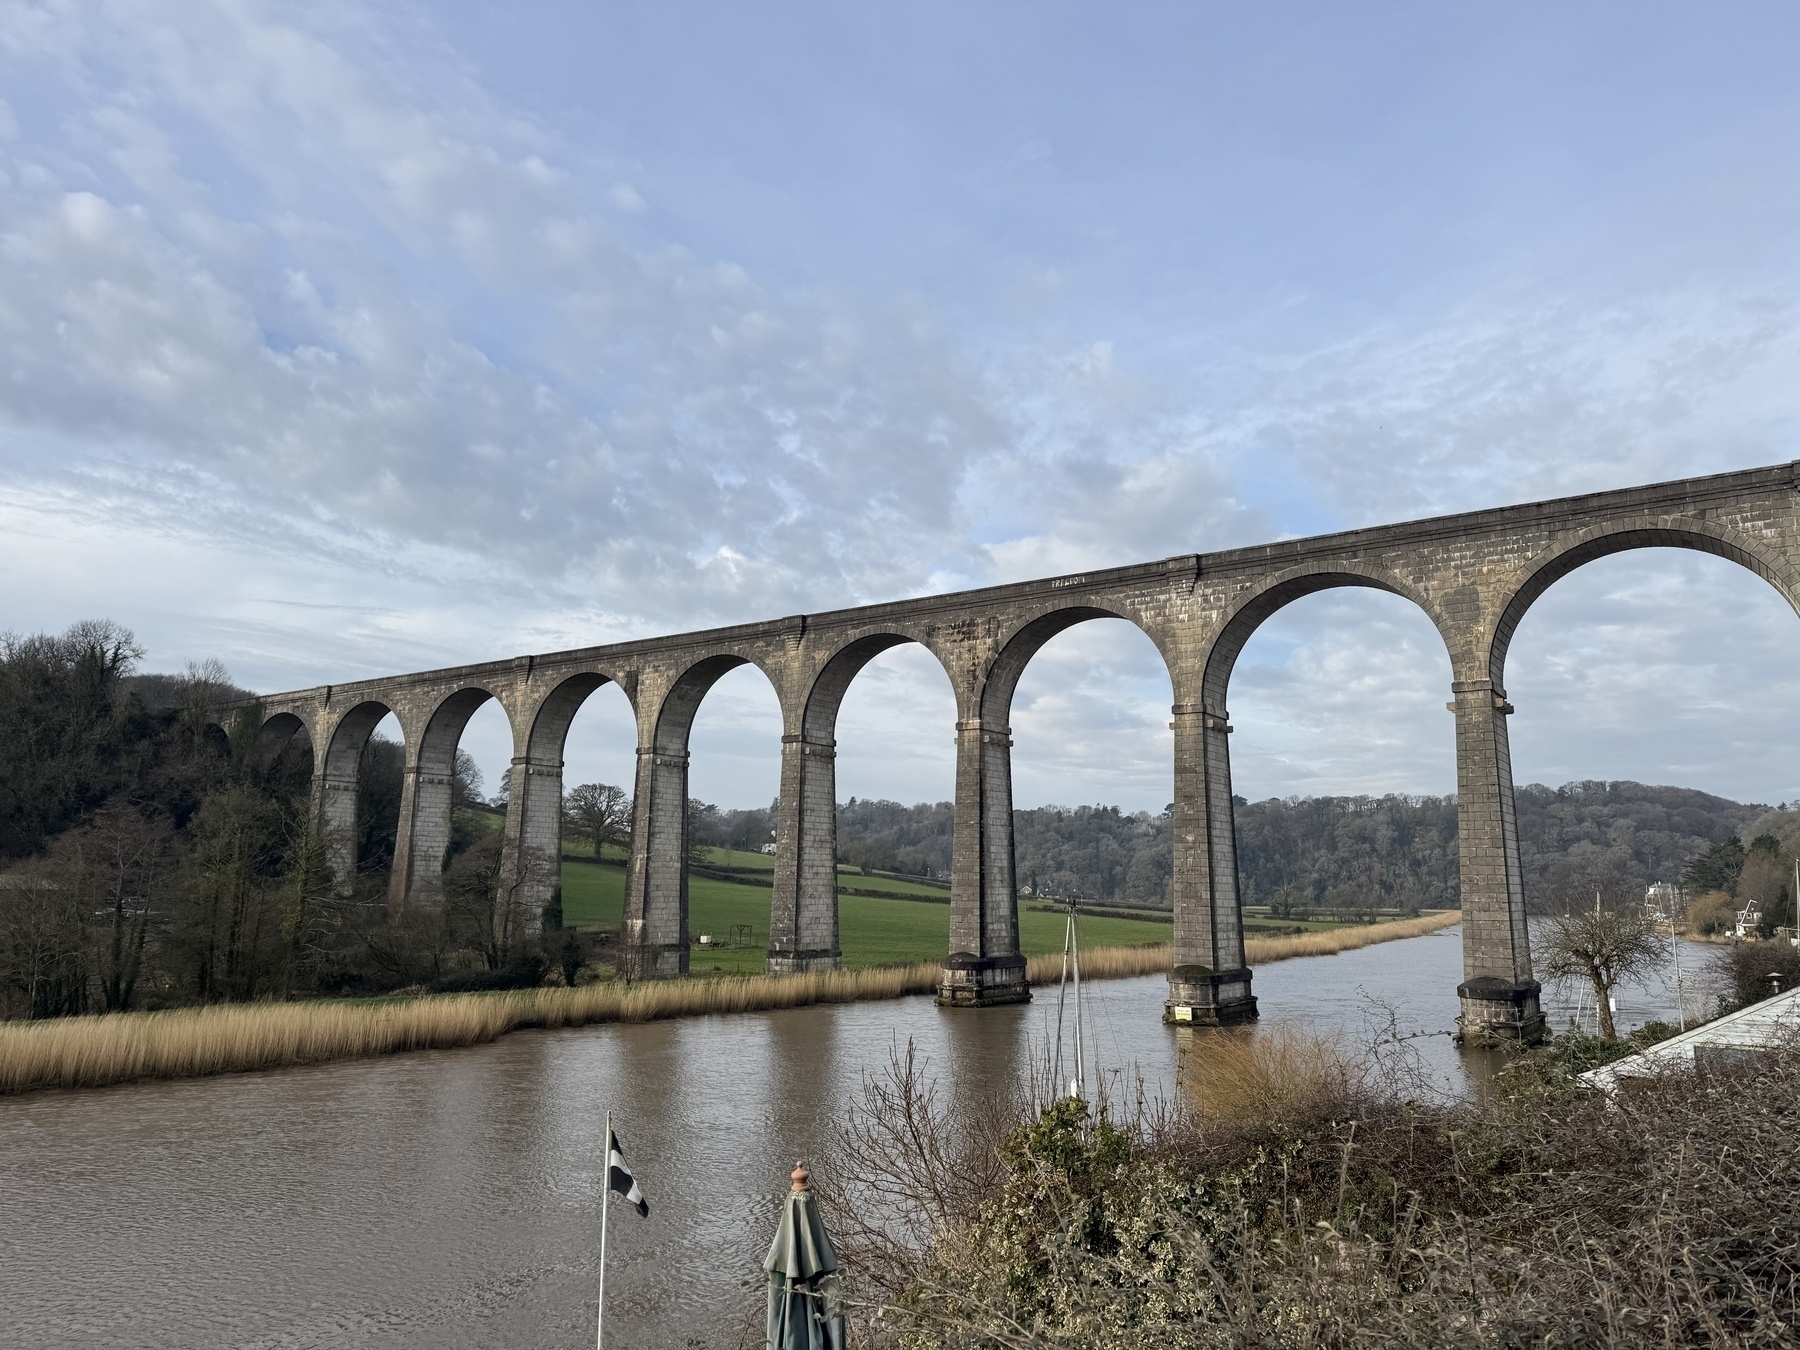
(1475,575)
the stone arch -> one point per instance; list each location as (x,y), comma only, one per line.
(277,733)
(1279,591)
(675,713)
(424,842)
(1211,982)
(803,914)
(338,785)
(534,817)
(1600,541)
(825,696)
(443,729)
(654,930)
(550,720)
(216,738)
(343,753)
(1002,677)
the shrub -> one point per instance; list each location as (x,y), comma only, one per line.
(527,973)
(1538,1215)
(1712,914)
(1749,965)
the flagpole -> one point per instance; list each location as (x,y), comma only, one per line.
(605,1190)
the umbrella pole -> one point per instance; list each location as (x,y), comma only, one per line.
(605,1190)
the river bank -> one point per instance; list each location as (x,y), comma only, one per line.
(450,1200)
(228,1038)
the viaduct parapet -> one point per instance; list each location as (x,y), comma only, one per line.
(1474,574)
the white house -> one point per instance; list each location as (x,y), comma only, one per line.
(1747,1031)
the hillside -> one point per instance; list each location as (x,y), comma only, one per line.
(1303,853)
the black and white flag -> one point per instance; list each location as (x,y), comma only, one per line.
(619,1178)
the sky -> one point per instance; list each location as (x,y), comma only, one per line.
(341,340)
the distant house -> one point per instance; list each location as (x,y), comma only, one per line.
(769,849)
(1749,920)
(1748,1031)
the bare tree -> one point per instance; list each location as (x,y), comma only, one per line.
(120,868)
(465,781)
(203,689)
(1603,947)
(43,965)
(599,813)
(486,895)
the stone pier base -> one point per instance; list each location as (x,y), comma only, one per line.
(1203,997)
(982,981)
(1496,1011)
(652,962)
(799,963)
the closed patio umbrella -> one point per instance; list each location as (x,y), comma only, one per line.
(805,1303)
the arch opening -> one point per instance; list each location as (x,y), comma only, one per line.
(1650,690)
(1342,760)
(1057,682)
(1092,771)
(481,773)
(284,754)
(359,797)
(577,780)
(1694,536)
(887,705)
(722,726)
(1260,608)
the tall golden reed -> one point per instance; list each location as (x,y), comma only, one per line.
(1269,1073)
(195,1042)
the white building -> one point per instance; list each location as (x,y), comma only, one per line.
(1747,1031)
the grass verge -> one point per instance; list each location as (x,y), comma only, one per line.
(197,1042)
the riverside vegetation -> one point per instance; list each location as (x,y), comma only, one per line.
(100,1050)
(1306,1196)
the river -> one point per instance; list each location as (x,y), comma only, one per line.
(450,1198)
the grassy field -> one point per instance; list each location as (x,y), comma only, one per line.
(872,931)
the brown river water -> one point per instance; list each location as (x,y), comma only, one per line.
(451,1198)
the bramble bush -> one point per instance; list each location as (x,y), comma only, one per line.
(1541,1214)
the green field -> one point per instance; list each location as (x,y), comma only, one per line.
(872,931)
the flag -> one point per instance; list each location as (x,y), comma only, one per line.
(619,1178)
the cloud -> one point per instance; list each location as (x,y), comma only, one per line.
(408,332)
(319,354)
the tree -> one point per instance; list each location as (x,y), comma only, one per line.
(310,904)
(202,690)
(119,870)
(42,947)
(1764,884)
(1716,869)
(61,727)
(233,927)
(484,899)
(465,781)
(380,780)
(1603,947)
(599,813)
(1715,912)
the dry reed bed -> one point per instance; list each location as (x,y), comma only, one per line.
(196,1042)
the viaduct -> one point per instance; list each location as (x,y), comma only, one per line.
(1474,574)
